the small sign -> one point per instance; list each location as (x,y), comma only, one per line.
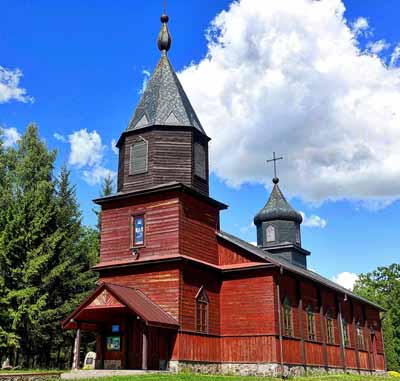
(113,343)
(139,230)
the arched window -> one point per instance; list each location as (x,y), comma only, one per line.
(311,324)
(202,302)
(271,236)
(360,335)
(330,328)
(200,161)
(287,317)
(138,157)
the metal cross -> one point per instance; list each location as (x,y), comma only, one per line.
(274,159)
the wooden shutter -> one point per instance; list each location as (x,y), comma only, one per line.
(138,158)
(199,161)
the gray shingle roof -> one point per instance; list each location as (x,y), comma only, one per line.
(293,268)
(277,208)
(164,102)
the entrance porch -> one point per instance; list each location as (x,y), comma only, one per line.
(132,332)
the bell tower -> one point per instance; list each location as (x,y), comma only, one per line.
(278,227)
(164,141)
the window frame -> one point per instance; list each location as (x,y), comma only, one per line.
(287,315)
(134,217)
(311,326)
(360,336)
(275,233)
(346,333)
(202,311)
(131,148)
(330,327)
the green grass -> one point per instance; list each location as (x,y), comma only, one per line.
(195,377)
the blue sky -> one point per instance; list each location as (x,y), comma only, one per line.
(83,68)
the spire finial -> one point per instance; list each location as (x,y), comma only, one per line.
(274,159)
(164,38)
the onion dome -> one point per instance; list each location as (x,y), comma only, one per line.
(277,208)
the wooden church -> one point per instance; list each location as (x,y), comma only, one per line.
(176,292)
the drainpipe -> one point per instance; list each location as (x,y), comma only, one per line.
(278,295)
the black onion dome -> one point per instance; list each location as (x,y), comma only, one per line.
(164,38)
(277,208)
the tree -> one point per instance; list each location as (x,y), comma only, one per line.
(107,188)
(382,286)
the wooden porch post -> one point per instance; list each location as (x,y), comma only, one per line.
(340,324)
(77,348)
(144,349)
(301,323)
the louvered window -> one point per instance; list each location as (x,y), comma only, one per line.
(199,161)
(138,157)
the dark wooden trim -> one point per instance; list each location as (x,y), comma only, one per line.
(367,337)
(322,327)
(355,335)
(340,325)
(300,315)
(278,296)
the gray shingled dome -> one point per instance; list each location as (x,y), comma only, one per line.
(277,208)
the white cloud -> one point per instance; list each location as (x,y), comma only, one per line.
(10,88)
(313,221)
(96,174)
(376,47)
(146,77)
(87,154)
(395,57)
(114,146)
(289,76)
(59,137)
(86,148)
(346,279)
(360,26)
(10,136)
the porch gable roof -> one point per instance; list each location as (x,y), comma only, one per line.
(132,299)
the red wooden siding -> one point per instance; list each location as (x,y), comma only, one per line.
(198,223)
(161,228)
(192,279)
(228,255)
(334,359)
(159,283)
(247,303)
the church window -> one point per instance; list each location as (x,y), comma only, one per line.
(137,230)
(287,318)
(346,334)
(360,336)
(330,330)
(298,239)
(138,157)
(202,311)
(271,236)
(311,324)
(200,161)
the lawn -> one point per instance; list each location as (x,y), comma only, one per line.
(196,377)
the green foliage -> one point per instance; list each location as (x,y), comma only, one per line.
(383,287)
(45,254)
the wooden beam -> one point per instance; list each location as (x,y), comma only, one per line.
(355,335)
(144,348)
(278,296)
(323,328)
(340,325)
(367,337)
(301,322)
(77,349)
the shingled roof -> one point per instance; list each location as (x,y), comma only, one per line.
(293,268)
